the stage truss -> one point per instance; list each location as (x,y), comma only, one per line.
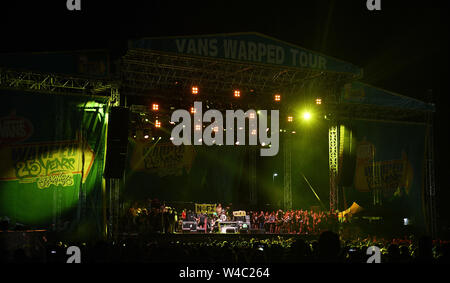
(146,70)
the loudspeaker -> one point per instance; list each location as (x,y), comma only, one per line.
(189,226)
(117,142)
(231,230)
(347,170)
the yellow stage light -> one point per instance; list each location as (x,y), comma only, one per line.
(306,115)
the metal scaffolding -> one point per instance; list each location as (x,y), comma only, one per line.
(430,185)
(54,83)
(287,189)
(144,70)
(333,138)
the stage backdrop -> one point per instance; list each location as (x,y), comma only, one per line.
(389,160)
(202,174)
(52,153)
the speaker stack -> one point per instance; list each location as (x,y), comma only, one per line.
(117,142)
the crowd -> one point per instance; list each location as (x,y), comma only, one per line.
(328,247)
(305,222)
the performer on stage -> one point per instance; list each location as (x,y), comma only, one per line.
(219,209)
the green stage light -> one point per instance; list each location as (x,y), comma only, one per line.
(306,115)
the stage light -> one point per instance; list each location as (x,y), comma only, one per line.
(194,90)
(277,97)
(193,110)
(237,93)
(198,127)
(216,129)
(252,115)
(157,124)
(318,101)
(253,132)
(306,116)
(290,119)
(155,107)
(146,135)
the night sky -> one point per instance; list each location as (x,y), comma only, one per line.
(402,48)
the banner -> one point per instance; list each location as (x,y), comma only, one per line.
(201,174)
(52,152)
(239,213)
(246,47)
(361,93)
(205,208)
(389,168)
(162,159)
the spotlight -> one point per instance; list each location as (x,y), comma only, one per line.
(277,97)
(290,119)
(252,115)
(198,127)
(155,107)
(146,135)
(194,90)
(193,110)
(237,93)
(306,115)
(318,101)
(157,124)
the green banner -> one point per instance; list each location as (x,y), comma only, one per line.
(52,152)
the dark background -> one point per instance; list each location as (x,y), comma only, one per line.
(402,48)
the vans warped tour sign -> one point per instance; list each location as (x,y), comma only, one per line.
(246,47)
(52,151)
